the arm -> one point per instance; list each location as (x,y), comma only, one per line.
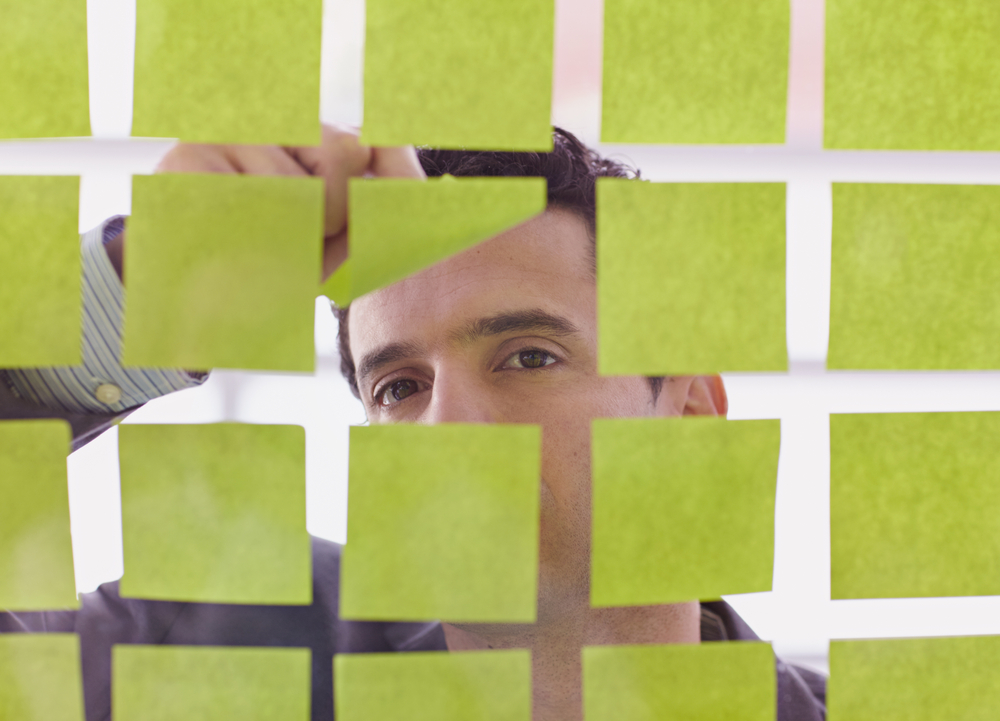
(99,392)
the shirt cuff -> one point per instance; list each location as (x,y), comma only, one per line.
(100,384)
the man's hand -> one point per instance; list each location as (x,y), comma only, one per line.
(338,158)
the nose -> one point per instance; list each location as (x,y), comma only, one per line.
(457,397)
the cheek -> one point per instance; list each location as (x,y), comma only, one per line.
(565,496)
(566,431)
(567,443)
(566,467)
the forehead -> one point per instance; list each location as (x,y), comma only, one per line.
(545,263)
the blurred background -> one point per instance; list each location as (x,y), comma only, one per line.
(797,616)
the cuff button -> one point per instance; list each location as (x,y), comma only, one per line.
(108,394)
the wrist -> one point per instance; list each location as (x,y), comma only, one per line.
(115,248)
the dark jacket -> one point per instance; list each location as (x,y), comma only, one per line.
(105,619)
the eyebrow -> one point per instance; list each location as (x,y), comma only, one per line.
(385,355)
(516,321)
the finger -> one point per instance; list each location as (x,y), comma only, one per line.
(263,160)
(337,159)
(339,150)
(334,253)
(195,158)
(399,162)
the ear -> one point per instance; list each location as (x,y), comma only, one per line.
(692,396)
(706,396)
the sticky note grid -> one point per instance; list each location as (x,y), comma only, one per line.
(221,272)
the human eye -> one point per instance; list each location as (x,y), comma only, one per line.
(529,359)
(395,391)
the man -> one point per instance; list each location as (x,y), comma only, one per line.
(505,332)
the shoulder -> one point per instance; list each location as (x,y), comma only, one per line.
(801,693)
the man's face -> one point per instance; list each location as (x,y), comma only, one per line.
(506,332)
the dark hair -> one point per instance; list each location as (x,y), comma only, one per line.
(571,170)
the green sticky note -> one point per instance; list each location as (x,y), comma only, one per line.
(690,277)
(914,503)
(338,286)
(221,271)
(215,513)
(36,552)
(205,683)
(228,71)
(40,677)
(43,53)
(442,523)
(683,509)
(915,277)
(713,71)
(40,277)
(912,75)
(694,682)
(914,679)
(459,74)
(399,227)
(481,685)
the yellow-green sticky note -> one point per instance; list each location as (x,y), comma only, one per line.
(210,683)
(912,75)
(40,276)
(915,277)
(221,271)
(712,71)
(914,505)
(36,551)
(40,677)
(228,71)
(437,686)
(683,509)
(43,56)
(338,286)
(399,226)
(914,679)
(690,277)
(694,682)
(215,513)
(442,523)
(459,74)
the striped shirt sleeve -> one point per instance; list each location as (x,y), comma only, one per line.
(75,388)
